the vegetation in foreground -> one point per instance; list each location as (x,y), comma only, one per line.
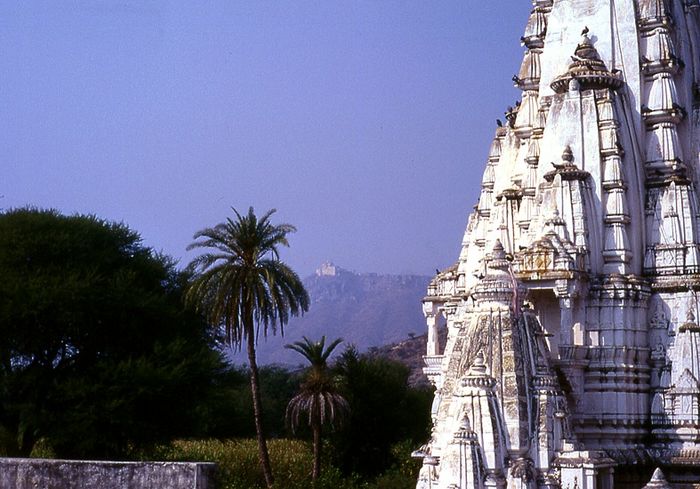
(102,359)
(237,463)
(98,354)
(387,419)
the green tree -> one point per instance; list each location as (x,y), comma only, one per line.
(98,354)
(228,412)
(382,404)
(241,285)
(318,397)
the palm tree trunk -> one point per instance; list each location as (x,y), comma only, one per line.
(317,451)
(263,454)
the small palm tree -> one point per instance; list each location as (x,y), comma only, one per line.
(241,285)
(318,396)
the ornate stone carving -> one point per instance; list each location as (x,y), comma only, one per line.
(658,481)
(587,69)
(573,347)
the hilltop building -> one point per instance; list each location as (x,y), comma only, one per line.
(327,269)
(572,357)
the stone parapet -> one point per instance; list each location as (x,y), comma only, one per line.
(23,473)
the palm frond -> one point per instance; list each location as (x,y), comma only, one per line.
(243,272)
(318,397)
(320,408)
(316,353)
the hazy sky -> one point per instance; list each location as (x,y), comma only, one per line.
(365,123)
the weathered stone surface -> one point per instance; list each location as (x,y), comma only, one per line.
(22,473)
(576,289)
(658,481)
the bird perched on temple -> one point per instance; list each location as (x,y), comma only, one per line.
(585,31)
(499,122)
(516,80)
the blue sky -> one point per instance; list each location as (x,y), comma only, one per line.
(365,123)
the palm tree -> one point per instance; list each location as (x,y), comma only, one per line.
(318,396)
(240,284)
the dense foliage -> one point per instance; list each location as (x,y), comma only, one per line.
(100,358)
(237,465)
(384,410)
(98,354)
(228,413)
(387,418)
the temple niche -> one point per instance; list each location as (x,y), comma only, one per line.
(572,358)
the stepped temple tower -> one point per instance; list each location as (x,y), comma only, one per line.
(572,357)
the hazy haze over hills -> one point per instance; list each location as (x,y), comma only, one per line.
(365,309)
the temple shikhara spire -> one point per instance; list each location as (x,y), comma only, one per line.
(572,356)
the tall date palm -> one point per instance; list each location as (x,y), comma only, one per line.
(318,396)
(240,284)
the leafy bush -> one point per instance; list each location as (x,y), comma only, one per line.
(42,449)
(382,404)
(228,412)
(238,466)
(404,473)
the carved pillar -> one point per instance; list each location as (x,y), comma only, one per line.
(433,348)
(567,320)
(616,249)
(671,204)
(528,206)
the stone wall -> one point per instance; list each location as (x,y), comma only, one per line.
(19,473)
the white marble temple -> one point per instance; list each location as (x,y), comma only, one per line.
(573,350)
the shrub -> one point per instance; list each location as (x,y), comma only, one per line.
(238,466)
(404,473)
(42,449)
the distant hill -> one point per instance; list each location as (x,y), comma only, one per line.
(365,309)
(410,352)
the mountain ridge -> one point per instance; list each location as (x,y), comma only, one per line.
(364,309)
